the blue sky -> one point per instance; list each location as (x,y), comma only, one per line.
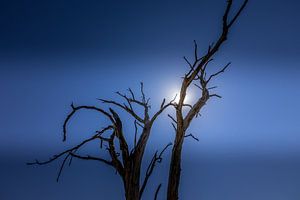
(53,53)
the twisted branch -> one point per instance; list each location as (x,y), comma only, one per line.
(157,158)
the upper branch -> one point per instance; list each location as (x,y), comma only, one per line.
(75,109)
(125,108)
(163,106)
(222,38)
(238,13)
(130,101)
(198,68)
(217,73)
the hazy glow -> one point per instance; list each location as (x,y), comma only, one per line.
(186,100)
(53,53)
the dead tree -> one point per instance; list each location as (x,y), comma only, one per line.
(196,76)
(126,162)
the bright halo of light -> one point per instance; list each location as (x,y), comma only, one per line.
(177,94)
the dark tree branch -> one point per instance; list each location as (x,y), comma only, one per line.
(142,92)
(119,133)
(61,167)
(163,103)
(72,151)
(71,159)
(114,156)
(131,92)
(238,13)
(132,100)
(214,47)
(198,86)
(198,71)
(96,136)
(135,132)
(203,70)
(128,165)
(219,72)
(172,118)
(192,136)
(188,62)
(215,95)
(174,126)
(125,108)
(88,157)
(157,158)
(157,191)
(210,46)
(140,125)
(75,109)
(225,16)
(196,51)
(162,108)
(195,109)
(187,105)
(211,88)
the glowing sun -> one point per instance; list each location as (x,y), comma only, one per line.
(177,94)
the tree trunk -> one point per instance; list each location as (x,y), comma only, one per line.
(132,183)
(175,165)
(133,170)
(132,190)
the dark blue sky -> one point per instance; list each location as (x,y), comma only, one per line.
(56,52)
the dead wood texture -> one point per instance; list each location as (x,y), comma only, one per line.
(125,161)
(196,76)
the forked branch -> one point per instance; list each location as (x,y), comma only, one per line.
(69,153)
(157,158)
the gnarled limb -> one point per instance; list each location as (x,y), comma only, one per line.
(126,162)
(197,72)
(77,108)
(157,158)
(69,153)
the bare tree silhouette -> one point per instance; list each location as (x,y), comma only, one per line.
(196,76)
(126,162)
